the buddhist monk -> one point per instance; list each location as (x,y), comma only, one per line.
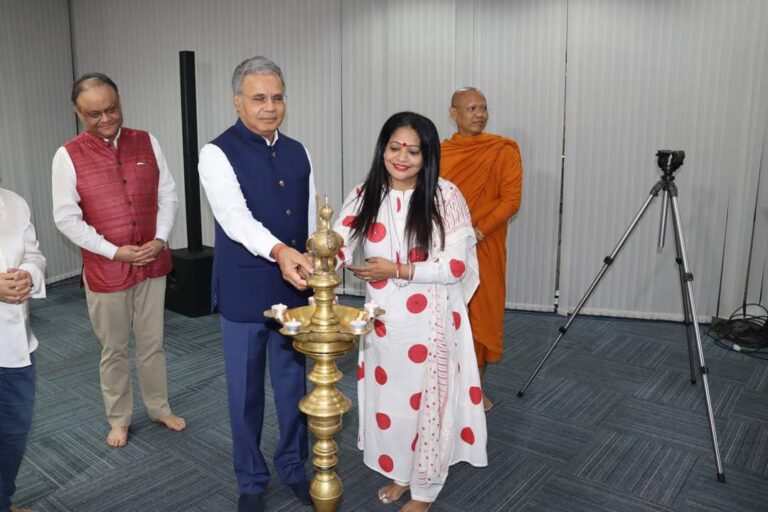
(487,169)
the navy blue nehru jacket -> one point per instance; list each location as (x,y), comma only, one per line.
(275,183)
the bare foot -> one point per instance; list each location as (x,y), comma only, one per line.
(173,422)
(391,493)
(487,404)
(117,437)
(416,506)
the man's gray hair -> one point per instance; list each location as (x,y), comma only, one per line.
(254,66)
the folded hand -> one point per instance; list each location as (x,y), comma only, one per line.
(15,286)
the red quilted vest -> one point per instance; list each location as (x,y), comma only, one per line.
(118,196)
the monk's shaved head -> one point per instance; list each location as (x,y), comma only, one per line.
(460,94)
(469,110)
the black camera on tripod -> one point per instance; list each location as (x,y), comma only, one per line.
(669,161)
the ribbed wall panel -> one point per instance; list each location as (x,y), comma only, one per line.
(396,55)
(644,76)
(519,62)
(412,56)
(137,43)
(35,115)
(748,201)
(757,284)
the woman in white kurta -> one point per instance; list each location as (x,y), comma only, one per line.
(419,396)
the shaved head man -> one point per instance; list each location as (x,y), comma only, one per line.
(488,170)
(469,110)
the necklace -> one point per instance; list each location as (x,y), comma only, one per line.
(397,255)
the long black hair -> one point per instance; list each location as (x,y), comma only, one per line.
(423,212)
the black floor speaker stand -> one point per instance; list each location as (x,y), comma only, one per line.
(188,289)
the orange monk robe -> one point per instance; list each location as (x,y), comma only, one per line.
(488,170)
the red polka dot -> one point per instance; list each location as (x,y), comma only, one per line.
(475,394)
(383,421)
(361,371)
(418,353)
(417,254)
(399,205)
(415,401)
(358,191)
(457,320)
(377,232)
(457,268)
(349,221)
(340,256)
(381,375)
(416,303)
(379,284)
(413,443)
(385,463)
(379,328)
(467,435)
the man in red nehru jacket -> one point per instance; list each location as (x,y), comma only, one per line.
(114,197)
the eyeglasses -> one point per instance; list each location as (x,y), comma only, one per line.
(97,114)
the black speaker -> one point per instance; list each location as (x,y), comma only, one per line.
(188,287)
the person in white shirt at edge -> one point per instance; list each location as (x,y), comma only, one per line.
(114,197)
(260,185)
(22,272)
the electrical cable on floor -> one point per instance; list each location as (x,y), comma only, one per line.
(743,333)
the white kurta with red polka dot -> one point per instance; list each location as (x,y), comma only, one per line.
(419,396)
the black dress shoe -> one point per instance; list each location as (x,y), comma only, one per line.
(250,503)
(301,490)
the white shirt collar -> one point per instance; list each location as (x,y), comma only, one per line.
(117,137)
(274,141)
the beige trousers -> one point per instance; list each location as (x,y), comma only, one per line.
(113,316)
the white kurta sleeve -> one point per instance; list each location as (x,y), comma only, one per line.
(67,214)
(167,200)
(345,224)
(228,203)
(457,261)
(33,260)
(312,206)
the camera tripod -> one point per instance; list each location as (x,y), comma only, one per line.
(669,162)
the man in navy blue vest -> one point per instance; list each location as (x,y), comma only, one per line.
(261,189)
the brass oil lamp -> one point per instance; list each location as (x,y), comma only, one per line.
(324,331)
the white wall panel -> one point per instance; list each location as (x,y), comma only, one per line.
(35,116)
(519,62)
(748,196)
(137,44)
(396,55)
(757,284)
(412,56)
(644,76)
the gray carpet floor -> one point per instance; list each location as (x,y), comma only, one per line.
(611,424)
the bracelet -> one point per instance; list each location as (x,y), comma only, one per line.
(397,270)
(276,251)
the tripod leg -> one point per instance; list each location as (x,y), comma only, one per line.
(607,261)
(688,291)
(687,315)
